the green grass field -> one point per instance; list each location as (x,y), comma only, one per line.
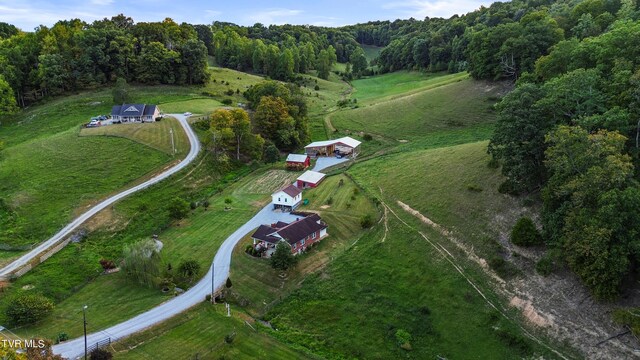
(155,135)
(392,278)
(371,51)
(46,179)
(388,86)
(200,334)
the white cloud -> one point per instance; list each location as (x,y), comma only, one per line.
(274,16)
(420,9)
(27,18)
(101,2)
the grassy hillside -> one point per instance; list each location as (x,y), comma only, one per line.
(393,279)
(462,104)
(46,179)
(371,51)
(376,88)
(200,334)
(155,135)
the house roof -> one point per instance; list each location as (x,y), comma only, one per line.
(264,233)
(313,177)
(300,229)
(297,158)
(133,110)
(290,190)
(350,142)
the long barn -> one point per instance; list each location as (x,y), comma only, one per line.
(345,146)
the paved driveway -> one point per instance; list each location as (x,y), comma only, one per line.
(325,162)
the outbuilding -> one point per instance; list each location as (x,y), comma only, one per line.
(287,199)
(345,146)
(310,179)
(298,161)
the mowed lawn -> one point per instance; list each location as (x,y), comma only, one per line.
(44,180)
(383,87)
(194,106)
(257,287)
(200,334)
(462,104)
(156,135)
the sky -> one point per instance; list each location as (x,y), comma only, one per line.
(28,14)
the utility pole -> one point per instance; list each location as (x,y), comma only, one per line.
(84,321)
(173,145)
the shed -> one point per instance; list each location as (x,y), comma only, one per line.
(301,161)
(342,147)
(310,179)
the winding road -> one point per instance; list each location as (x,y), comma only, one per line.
(41,249)
(75,348)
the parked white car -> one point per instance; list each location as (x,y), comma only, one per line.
(188,114)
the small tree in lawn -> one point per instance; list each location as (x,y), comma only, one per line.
(282,259)
(179,208)
(525,233)
(189,269)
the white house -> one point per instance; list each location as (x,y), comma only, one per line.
(287,199)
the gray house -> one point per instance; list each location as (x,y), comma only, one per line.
(134,113)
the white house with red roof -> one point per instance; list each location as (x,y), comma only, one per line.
(287,199)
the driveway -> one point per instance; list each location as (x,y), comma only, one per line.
(222,260)
(67,230)
(325,162)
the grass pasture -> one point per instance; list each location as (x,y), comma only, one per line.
(44,180)
(155,135)
(196,106)
(461,105)
(374,89)
(371,51)
(200,334)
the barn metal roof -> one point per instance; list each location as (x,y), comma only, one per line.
(349,141)
(312,177)
(297,157)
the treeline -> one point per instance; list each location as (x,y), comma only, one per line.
(74,55)
(279,52)
(570,132)
(500,41)
(279,122)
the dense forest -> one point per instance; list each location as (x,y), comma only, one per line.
(569,133)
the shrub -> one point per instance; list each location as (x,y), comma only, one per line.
(525,233)
(317,87)
(367,137)
(330,200)
(206,204)
(28,309)
(189,268)
(403,339)
(178,208)
(228,201)
(229,92)
(548,263)
(229,337)
(228,284)
(366,221)
(227,101)
(193,205)
(62,337)
(100,354)
(493,163)
(107,264)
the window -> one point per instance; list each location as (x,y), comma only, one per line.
(302,242)
(286,200)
